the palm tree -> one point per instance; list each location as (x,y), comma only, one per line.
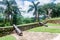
(35,8)
(15,14)
(12,10)
(1,9)
(8,11)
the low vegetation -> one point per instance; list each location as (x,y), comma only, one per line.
(51,24)
(56,18)
(46,29)
(9,37)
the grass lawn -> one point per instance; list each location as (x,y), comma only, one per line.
(46,29)
(9,37)
(58,18)
(51,24)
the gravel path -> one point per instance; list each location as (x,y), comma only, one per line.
(35,36)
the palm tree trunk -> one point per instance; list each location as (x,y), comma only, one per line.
(11,20)
(37,17)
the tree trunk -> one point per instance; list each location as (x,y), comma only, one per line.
(11,20)
(36,14)
(36,17)
(15,19)
(49,13)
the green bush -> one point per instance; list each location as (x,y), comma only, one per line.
(7,24)
(28,20)
(20,20)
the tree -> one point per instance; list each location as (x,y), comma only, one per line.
(15,14)
(56,10)
(41,11)
(49,8)
(35,7)
(12,10)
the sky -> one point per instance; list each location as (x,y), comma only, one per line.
(24,4)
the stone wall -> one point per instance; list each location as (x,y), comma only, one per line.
(54,21)
(8,30)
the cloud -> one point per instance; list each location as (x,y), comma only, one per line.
(44,1)
(25,7)
(26,4)
(57,1)
(1,0)
(19,3)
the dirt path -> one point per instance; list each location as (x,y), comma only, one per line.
(35,36)
(38,35)
(18,37)
(57,37)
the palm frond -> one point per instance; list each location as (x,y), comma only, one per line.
(37,3)
(30,9)
(33,3)
(31,6)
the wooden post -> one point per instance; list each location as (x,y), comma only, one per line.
(18,31)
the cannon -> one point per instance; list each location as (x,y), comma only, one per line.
(43,24)
(18,31)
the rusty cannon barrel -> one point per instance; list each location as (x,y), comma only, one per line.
(18,31)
